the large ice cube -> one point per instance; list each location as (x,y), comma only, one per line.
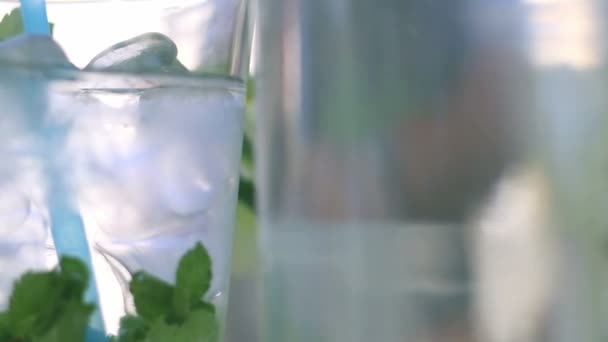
(154,165)
(30,50)
(149,52)
(158,173)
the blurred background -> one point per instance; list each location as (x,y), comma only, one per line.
(242,307)
(514,89)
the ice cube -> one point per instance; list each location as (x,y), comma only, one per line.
(158,165)
(115,167)
(149,52)
(23,232)
(33,50)
(200,130)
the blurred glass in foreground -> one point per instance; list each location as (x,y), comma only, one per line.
(428,170)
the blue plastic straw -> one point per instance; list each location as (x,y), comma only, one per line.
(67,227)
(34,17)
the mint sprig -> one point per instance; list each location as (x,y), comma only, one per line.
(48,306)
(194,273)
(168,312)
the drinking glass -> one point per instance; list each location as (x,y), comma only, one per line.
(121,139)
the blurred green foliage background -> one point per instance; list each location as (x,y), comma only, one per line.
(244,257)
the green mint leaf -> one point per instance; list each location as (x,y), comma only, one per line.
(204,322)
(48,306)
(34,304)
(4,331)
(71,325)
(201,326)
(161,331)
(153,297)
(194,272)
(201,305)
(75,276)
(132,329)
(12,25)
(168,313)
(181,305)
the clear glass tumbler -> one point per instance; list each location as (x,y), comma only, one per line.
(121,140)
(413,158)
